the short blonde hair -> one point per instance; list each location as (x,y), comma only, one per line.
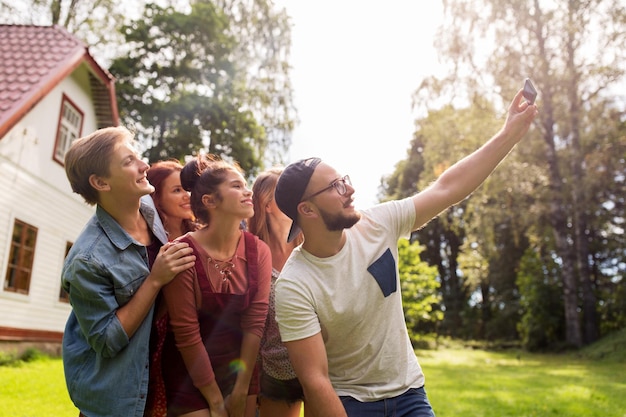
(91,155)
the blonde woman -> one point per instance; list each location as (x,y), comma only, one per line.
(281,394)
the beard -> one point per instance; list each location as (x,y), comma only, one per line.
(336,222)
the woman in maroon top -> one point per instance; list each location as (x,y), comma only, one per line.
(217,309)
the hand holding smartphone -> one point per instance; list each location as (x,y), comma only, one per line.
(530,94)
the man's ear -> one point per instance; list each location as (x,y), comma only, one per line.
(305,208)
(99,183)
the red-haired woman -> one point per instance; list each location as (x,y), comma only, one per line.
(174,209)
(170,199)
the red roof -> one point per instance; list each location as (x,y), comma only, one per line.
(34,59)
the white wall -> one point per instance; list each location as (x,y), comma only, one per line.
(34,189)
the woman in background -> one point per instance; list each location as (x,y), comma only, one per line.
(171,200)
(281,394)
(217,311)
(173,206)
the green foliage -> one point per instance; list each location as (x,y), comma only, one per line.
(7,358)
(612,310)
(32,354)
(178,87)
(190,81)
(476,245)
(542,324)
(419,289)
(561,188)
(29,355)
(553,42)
(607,239)
(611,348)
(263,43)
(192,75)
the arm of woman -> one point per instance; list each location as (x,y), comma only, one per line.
(213,395)
(236,401)
(180,298)
(253,324)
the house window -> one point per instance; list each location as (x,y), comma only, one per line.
(21,257)
(70,126)
(63,295)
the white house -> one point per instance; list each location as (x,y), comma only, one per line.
(51,92)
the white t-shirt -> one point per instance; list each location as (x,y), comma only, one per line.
(353,298)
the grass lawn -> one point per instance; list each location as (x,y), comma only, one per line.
(459,382)
(35,389)
(487,384)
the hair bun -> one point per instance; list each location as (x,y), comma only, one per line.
(190,173)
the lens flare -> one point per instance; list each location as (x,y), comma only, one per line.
(237,365)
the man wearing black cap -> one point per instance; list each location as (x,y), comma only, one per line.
(338,301)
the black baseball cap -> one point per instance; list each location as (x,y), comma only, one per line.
(290,189)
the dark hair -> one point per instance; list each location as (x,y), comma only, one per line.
(202,176)
(290,189)
(91,155)
(157,174)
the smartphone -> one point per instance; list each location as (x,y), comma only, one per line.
(530,94)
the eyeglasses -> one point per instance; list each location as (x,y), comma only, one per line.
(339,184)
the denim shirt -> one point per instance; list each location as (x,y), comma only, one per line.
(106,372)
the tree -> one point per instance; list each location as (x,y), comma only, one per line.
(184,84)
(177,85)
(248,115)
(542,325)
(607,240)
(492,46)
(442,138)
(419,289)
(440,243)
(262,48)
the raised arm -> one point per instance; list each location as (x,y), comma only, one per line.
(462,178)
(308,358)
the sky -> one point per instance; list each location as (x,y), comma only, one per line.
(355,65)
